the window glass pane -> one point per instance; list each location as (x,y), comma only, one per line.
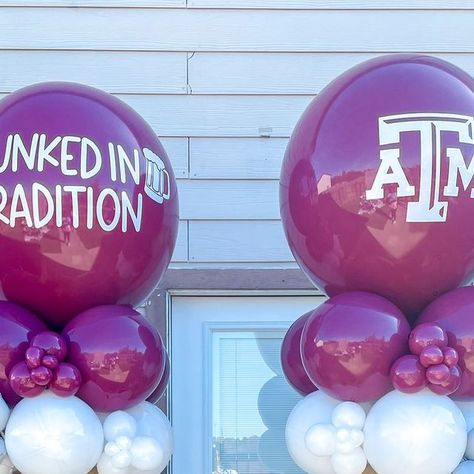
(251,401)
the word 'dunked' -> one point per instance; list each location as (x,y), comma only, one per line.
(41,204)
(430,205)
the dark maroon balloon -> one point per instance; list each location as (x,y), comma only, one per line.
(22,383)
(454,312)
(370,193)
(51,343)
(119,355)
(408,375)
(67,380)
(161,388)
(427,335)
(291,358)
(17,327)
(101,207)
(349,344)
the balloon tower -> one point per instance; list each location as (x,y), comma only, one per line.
(376,199)
(88,223)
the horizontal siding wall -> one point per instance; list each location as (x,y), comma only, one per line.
(223,82)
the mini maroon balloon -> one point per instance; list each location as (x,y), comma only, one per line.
(34,357)
(454,313)
(17,327)
(408,375)
(41,375)
(161,388)
(448,386)
(350,343)
(89,208)
(119,355)
(22,383)
(51,343)
(370,194)
(426,335)
(451,356)
(291,358)
(50,361)
(66,381)
(438,374)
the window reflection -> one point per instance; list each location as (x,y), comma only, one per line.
(251,401)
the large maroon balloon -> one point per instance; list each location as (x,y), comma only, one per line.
(375,190)
(454,312)
(119,354)
(17,328)
(88,201)
(291,358)
(349,344)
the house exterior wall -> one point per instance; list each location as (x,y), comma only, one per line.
(223,82)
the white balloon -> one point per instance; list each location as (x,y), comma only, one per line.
(4,413)
(467,409)
(119,423)
(354,462)
(147,454)
(321,440)
(466,467)
(152,422)
(53,434)
(123,443)
(122,459)
(348,415)
(420,433)
(105,466)
(315,408)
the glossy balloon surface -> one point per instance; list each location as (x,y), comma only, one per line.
(370,193)
(119,355)
(163,384)
(349,344)
(17,328)
(291,358)
(89,208)
(454,312)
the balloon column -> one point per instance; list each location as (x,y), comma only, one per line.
(88,223)
(376,202)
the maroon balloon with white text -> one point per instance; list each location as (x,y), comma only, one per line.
(88,201)
(376,187)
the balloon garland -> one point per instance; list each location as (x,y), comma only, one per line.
(376,202)
(88,223)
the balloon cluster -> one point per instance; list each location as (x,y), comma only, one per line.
(374,213)
(88,223)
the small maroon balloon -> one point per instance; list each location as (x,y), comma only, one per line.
(431,355)
(448,386)
(451,356)
(34,357)
(67,380)
(290,355)
(454,313)
(50,361)
(408,375)
(369,196)
(119,355)
(90,214)
(22,383)
(426,335)
(438,374)
(41,375)
(51,343)
(17,327)
(350,343)
(160,389)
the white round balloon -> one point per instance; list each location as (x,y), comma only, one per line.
(467,409)
(466,467)
(420,433)
(4,413)
(54,435)
(315,408)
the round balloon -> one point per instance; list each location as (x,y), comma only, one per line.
(119,355)
(349,344)
(17,328)
(407,433)
(291,358)
(88,201)
(53,434)
(453,312)
(315,408)
(371,187)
